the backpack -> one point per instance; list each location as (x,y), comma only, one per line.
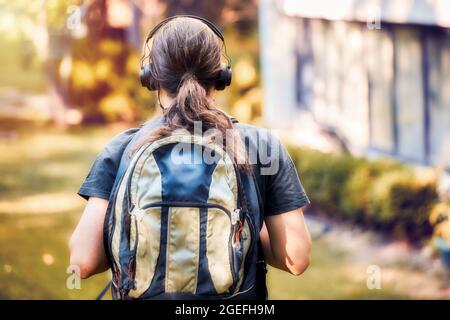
(179,225)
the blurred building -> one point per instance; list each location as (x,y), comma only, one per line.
(374,75)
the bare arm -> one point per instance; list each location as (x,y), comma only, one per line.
(286,241)
(86,244)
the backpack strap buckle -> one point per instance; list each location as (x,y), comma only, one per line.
(235,216)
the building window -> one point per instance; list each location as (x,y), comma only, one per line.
(380,53)
(331,76)
(353,118)
(438,52)
(320,47)
(305,64)
(409,95)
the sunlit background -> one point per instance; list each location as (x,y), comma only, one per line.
(359,90)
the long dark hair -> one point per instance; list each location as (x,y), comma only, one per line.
(186,60)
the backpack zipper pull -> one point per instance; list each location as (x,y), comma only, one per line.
(138,214)
(235,216)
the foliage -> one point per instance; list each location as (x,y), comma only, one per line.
(103,81)
(379,194)
(440,219)
(203,8)
(243,99)
(97,75)
(18,69)
(242,14)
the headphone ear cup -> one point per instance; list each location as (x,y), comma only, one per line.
(224,78)
(147,79)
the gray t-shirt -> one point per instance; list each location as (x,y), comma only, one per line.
(277,179)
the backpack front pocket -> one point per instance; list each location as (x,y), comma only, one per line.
(219,252)
(193,243)
(145,240)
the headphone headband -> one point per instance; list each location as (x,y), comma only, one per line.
(211,25)
(147,78)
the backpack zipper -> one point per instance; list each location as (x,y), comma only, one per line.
(192,204)
(188,204)
(115,268)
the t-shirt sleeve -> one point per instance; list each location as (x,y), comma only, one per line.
(100,179)
(284,192)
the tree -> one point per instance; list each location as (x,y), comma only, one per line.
(243,15)
(208,9)
(42,23)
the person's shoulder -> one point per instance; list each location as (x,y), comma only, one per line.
(123,138)
(251,130)
(257,135)
(245,127)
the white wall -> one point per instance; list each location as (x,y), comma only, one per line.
(428,12)
(277,36)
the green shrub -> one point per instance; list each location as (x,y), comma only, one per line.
(325,176)
(381,194)
(440,219)
(355,194)
(401,203)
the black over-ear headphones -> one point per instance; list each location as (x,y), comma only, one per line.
(148,80)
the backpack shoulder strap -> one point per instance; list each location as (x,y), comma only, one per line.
(261,267)
(254,196)
(144,131)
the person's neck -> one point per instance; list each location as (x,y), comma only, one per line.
(164,100)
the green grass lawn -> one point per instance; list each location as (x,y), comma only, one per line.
(330,276)
(40,172)
(39,209)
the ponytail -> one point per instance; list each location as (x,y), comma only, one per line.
(192,100)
